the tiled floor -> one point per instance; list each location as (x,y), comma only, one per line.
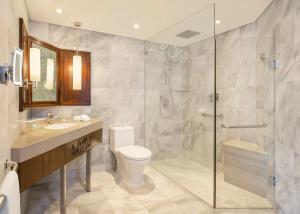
(199,180)
(158,195)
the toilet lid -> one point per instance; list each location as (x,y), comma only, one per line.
(135,152)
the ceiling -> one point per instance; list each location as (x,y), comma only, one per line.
(153,16)
(194,28)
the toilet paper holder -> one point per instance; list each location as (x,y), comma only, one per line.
(11,166)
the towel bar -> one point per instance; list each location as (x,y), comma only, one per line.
(264,125)
(13,166)
(212,115)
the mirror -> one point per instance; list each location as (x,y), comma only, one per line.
(17,67)
(45,89)
(43,73)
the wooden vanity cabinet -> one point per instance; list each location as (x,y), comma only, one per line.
(33,170)
(30,172)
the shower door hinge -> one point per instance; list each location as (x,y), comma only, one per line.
(274,64)
(272,180)
(212,97)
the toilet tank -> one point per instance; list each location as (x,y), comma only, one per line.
(121,136)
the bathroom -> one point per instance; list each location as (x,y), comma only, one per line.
(207,95)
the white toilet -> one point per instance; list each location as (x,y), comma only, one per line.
(131,159)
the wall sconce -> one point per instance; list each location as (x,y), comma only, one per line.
(35,66)
(77,65)
(50,74)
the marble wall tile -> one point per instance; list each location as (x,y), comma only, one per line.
(236,84)
(4,137)
(4,36)
(296,198)
(163,105)
(198,75)
(281,21)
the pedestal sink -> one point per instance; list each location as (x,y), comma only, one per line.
(60,126)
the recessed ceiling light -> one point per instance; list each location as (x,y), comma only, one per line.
(59,10)
(136,26)
(218,21)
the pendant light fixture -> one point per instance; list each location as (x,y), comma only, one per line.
(77,64)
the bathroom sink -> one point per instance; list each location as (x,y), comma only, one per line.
(60,126)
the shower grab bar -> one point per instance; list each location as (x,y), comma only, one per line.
(12,166)
(211,115)
(264,125)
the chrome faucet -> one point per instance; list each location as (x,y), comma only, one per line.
(51,116)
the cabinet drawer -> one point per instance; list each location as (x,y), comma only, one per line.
(30,172)
(54,159)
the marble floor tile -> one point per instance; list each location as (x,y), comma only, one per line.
(73,210)
(152,199)
(126,205)
(159,194)
(170,189)
(164,208)
(80,198)
(199,180)
(102,207)
(189,204)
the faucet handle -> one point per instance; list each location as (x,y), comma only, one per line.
(49,114)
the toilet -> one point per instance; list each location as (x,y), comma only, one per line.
(131,159)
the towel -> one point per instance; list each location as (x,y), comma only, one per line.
(83,118)
(10,189)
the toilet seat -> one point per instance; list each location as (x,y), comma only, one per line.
(138,153)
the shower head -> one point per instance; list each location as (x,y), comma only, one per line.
(163,50)
(188,34)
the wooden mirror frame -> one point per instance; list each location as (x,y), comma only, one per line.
(24,45)
(68,96)
(65,95)
(32,103)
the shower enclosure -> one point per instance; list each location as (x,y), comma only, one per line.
(208,122)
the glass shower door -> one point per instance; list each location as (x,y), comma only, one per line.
(179,102)
(245,133)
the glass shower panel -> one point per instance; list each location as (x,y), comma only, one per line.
(245,132)
(179,102)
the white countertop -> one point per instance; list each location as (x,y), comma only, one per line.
(40,140)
